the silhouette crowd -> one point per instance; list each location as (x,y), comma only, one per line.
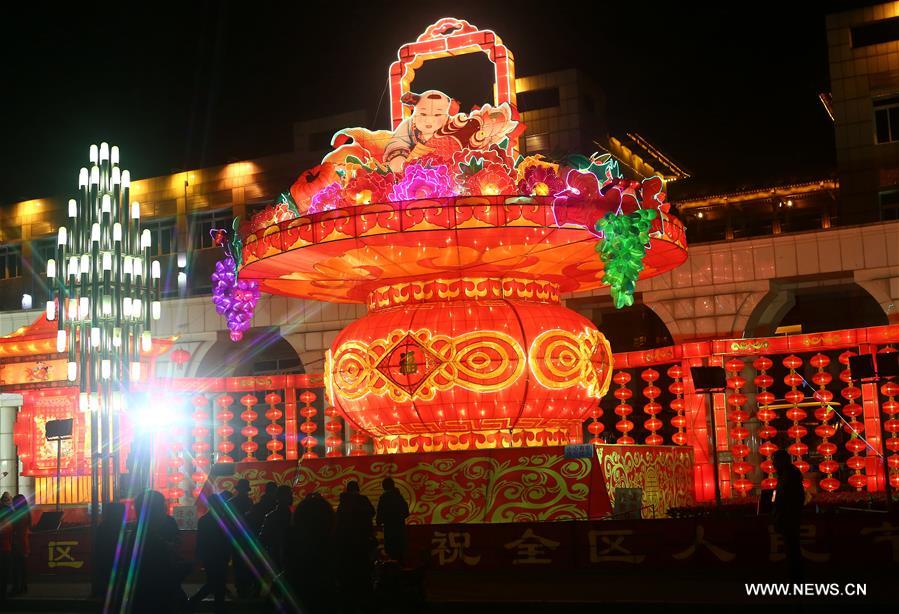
(301,556)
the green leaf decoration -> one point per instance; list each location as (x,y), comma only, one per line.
(236,245)
(286,199)
(622,248)
(473,166)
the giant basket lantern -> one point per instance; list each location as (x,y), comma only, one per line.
(461,250)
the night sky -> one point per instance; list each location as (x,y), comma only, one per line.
(730,94)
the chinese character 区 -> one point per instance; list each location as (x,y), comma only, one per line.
(61,555)
(607,546)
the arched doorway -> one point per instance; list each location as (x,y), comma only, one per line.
(262,351)
(816,309)
(629,329)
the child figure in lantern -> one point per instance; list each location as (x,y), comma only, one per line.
(436,127)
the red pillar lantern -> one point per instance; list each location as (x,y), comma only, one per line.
(249,431)
(308,427)
(676,388)
(766,415)
(200,445)
(333,426)
(224,430)
(623,409)
(824,414)
(739,433)
(274,430)
(855,444)
(652,409)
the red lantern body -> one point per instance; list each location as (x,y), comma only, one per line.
(468,374)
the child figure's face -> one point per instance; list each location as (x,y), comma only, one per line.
(430,115)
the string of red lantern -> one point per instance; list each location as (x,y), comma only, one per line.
(764,398)
(200,445)
(225,430)
(678,421)
(358,440)
(652,408)
(249,431)
(891,425)
(855,428)
(739,433)
(176,461)
(623,410)
(274,430)
(794,397)
(290,423)
(825,430)
(596,427)
(308,427)
(333,427)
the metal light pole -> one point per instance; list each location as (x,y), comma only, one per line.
(104,290)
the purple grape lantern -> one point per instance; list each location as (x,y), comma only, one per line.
(234,298)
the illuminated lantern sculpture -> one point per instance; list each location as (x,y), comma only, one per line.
(766,415)
(462,258)
(854,429)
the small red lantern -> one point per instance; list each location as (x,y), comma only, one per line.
(180,357)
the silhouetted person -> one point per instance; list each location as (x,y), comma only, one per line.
(213,551)
(5,543)
(21,528)
(261,509)
(242,504)
(353,533)
(789,498)
(276,526)
(159,568)
(106,540)
(392,513)
(311,563)
(241,501)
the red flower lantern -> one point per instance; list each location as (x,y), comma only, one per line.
(249,431)
(652,409)
(224,429)
(679,420)
(766,415)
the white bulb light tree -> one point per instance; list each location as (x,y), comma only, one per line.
(104,291)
